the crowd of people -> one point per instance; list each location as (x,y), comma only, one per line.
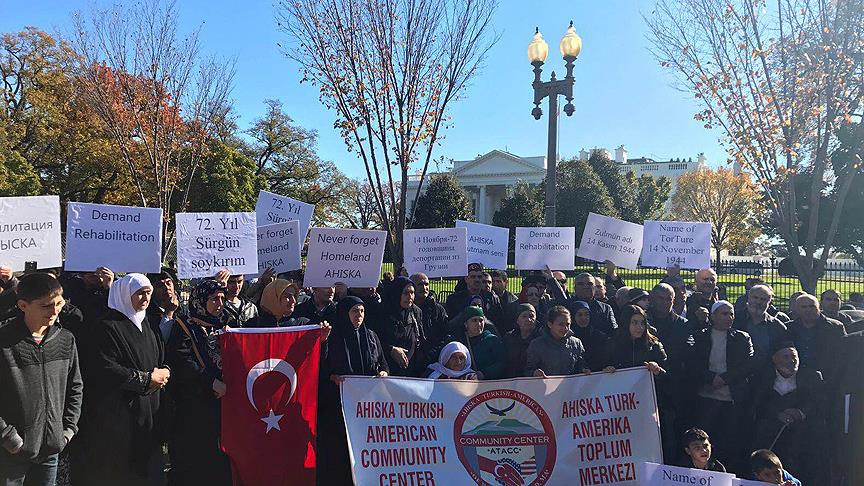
(118,380)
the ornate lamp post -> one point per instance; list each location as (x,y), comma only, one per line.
(571,46)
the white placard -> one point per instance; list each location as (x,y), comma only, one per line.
(537,248)
(274,208)
(210,242)
(437,252)
(122,238)
(669,243)
(350,256)
(747,482)
(661,475)
(30,232)
(611,239)
(278,247)
(487,244)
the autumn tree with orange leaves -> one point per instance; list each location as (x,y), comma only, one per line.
(779,78)
(389,70)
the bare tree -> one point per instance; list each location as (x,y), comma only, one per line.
(390,70)
(779,78)
(155,94)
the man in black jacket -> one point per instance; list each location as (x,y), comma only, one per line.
(433,315)
(817,338)
(699,302)
(721,363)
(41,385)
(765,331)
(320,307)
(602,316)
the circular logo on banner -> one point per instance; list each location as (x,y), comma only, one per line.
(505,437)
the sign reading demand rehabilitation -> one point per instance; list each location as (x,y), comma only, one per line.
(122,238)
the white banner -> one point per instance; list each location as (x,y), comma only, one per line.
(611,239)
(350,256)
(278,247)
(437,252)
(274,208)
(210,242)
(662,475)
(30,232)
(122,238)
(487,244)
(575,430)
(747,482)
(537,248)
(669,243)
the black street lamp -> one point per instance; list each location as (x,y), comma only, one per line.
(571,46)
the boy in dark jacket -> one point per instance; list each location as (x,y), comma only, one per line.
(41,385)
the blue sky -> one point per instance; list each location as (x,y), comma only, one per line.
(622,96)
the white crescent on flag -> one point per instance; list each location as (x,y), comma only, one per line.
(266,366)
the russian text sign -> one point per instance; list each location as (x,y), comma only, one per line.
(662,475)
(437,252)
(487,244)
(274,208)
(681,243)
(122,238)
(279,247)
(611,239)
(210,242)
(30,232)
(350,256)
(579,430)
(537,248)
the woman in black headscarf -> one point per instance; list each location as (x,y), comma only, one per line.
(353,349)
(401,330)
(196,388)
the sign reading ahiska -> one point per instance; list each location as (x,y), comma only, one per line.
(122,238)
(352,257)
(278,247)
(487,244)
(580,430)
(30,232)
(210,242)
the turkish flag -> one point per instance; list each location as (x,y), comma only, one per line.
(270,406)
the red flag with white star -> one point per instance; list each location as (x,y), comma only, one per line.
(270,406)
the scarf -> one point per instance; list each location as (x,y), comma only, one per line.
(271,295)
(120,297)
(198,304)
(440,368)
(355,342)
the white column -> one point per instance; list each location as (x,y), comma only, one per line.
(481,205)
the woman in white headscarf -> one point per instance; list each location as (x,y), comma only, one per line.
(454,362)
(119,438)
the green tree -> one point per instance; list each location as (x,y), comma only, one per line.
(617,185)
(581,191)
(17,177)
(442,204)
(651,196)
(225,181)
(523,207)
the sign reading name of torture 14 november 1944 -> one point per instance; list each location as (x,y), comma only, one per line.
(487,244)
(122,238)
(611,239)
(274,208)
(537,248)
(210,242)
(350,256)
(30,232)
(279,247)
(438,252)
(682,243)
(653,474)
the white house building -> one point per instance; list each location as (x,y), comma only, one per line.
(487,178)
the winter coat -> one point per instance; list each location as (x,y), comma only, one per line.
(555,356)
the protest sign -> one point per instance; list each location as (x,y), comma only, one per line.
(611,239)
(274,208)
(580,430)
(278,247)
(661,475)
(350,256)
(30,232)
(747,482)
(122,238)
(210,242)
(437,252)
(537,248)
(670,243)
(487,244)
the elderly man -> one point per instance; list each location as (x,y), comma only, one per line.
(830,301)
(679,306)
(788,405)
(721,363)
(433,315)
(817,338)
(765,330)
(602,316)
(475,284)
(703,298)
